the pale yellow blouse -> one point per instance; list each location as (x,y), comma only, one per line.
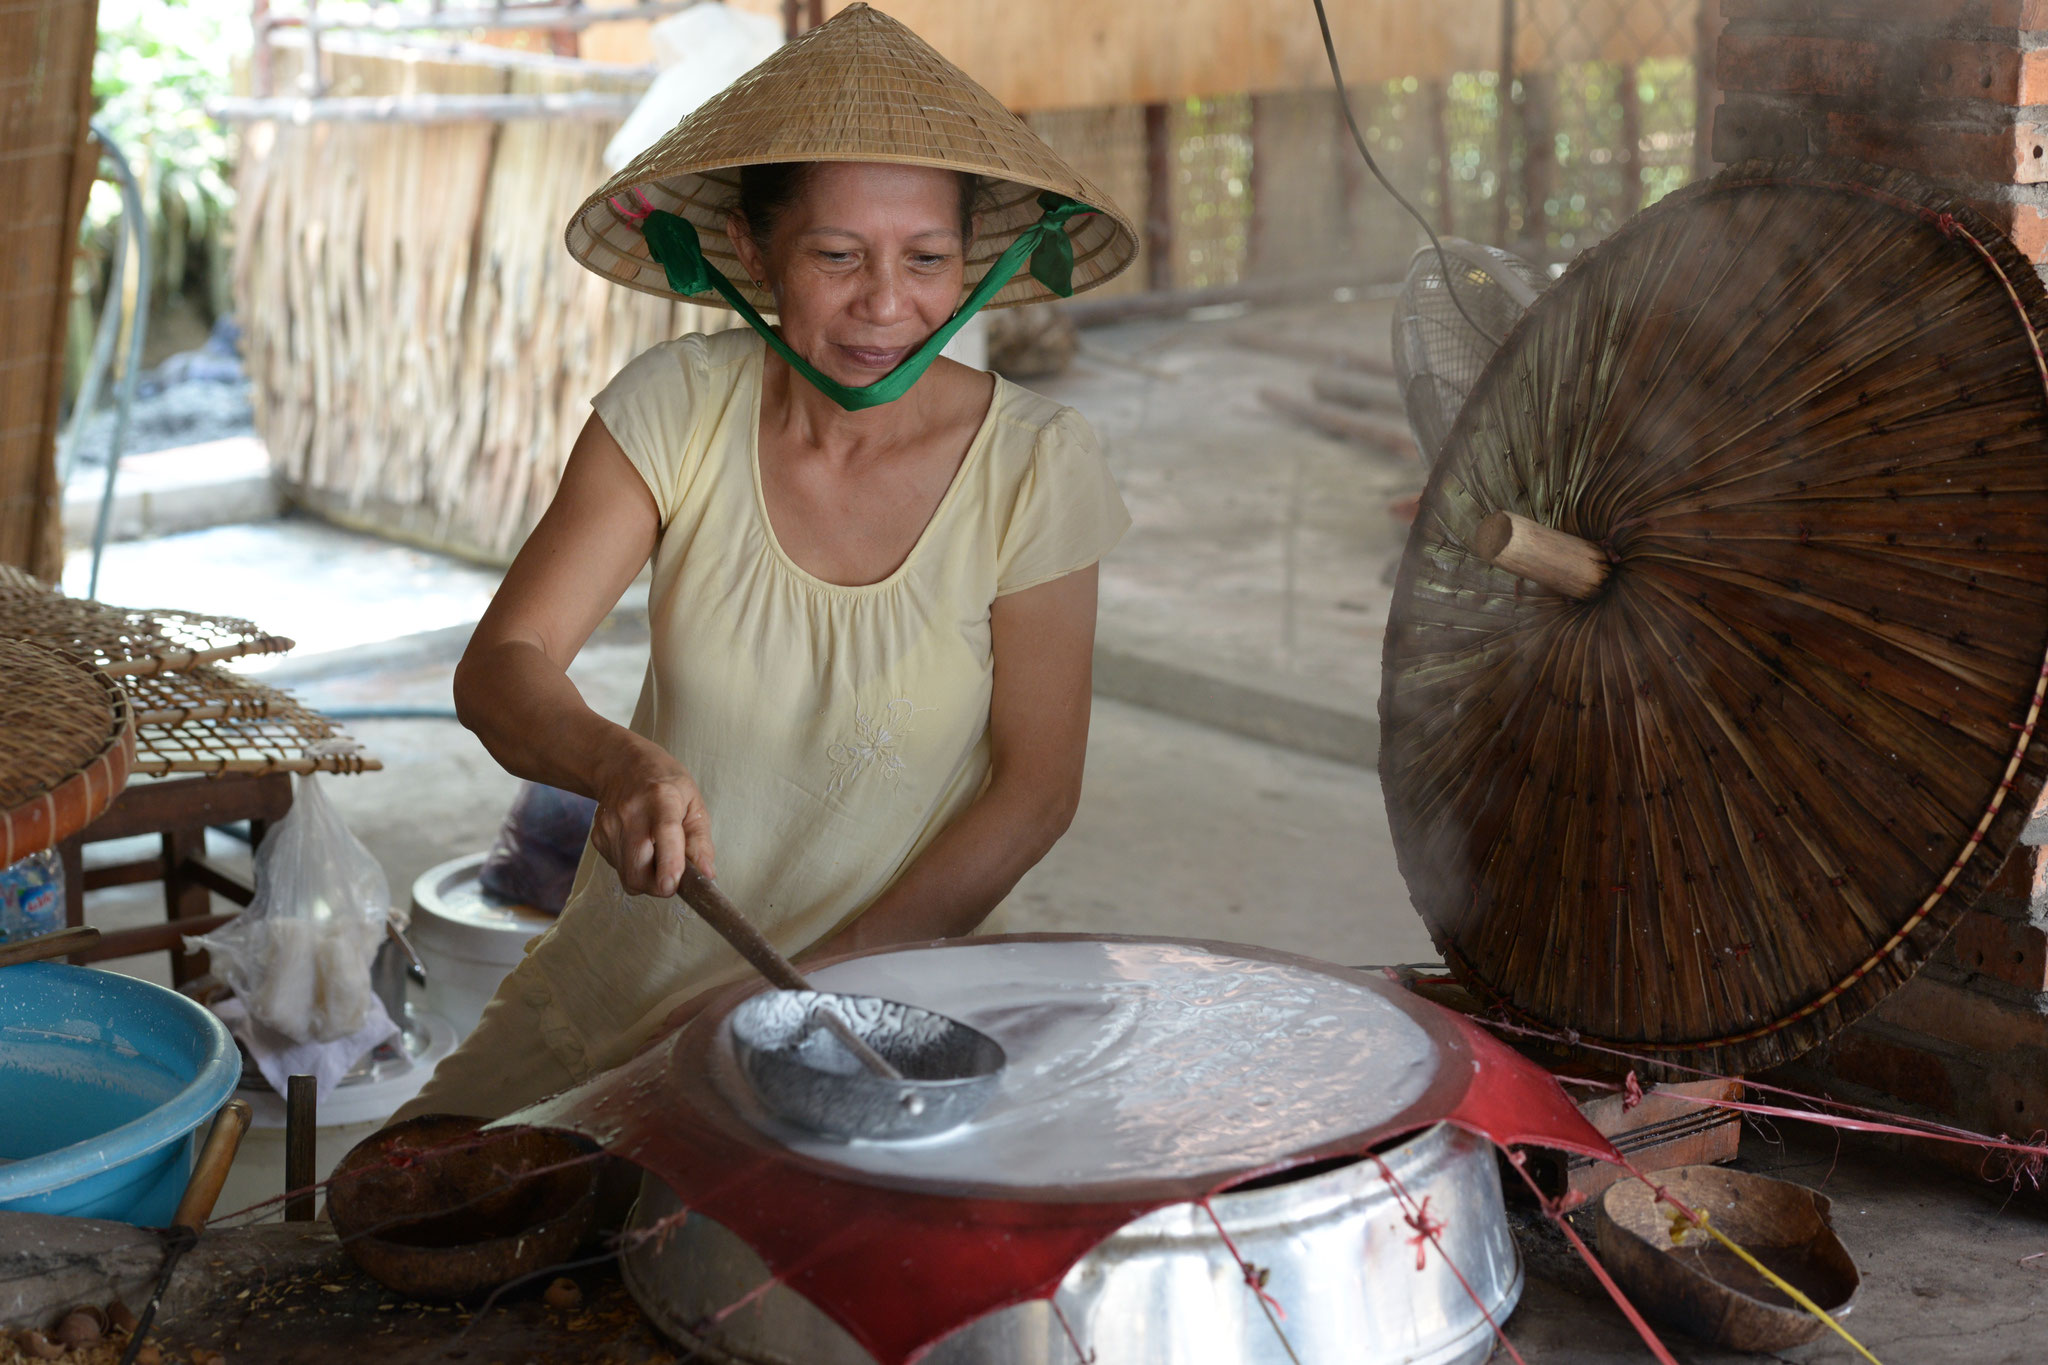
(834,731)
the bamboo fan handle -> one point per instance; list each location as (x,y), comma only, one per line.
(1553,559)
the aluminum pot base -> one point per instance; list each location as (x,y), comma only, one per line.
(1163,1290)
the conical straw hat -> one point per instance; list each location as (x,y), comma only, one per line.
(859,87)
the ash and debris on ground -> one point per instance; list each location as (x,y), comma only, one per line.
(190,398)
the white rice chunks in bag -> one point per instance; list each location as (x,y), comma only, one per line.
(299,956)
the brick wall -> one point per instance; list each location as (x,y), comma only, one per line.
(1967,1039)
(1956,90)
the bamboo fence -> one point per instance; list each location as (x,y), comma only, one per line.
(422,350)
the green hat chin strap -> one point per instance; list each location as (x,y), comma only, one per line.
(672,242)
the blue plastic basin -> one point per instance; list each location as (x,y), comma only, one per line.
(104,1082)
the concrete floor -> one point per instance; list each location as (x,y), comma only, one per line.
(1259,549)
(1955,1271)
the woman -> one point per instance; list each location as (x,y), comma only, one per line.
(873,596)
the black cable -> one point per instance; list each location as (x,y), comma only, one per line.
(1351,122)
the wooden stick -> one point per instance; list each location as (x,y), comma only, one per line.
(1355,390)
(333,763)
(1553,559)
(573,16)
(1382,433)
(1310,348)
(63,943)
(404,45)
(301,1130)
(595,105)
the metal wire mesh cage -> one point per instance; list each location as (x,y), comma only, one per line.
(1438,354)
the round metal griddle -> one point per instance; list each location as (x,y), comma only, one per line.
(67,744)
(1749,724)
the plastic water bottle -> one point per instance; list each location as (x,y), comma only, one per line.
(32,896)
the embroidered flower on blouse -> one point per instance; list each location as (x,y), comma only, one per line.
(873,745)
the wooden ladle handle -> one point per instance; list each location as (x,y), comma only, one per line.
(210,1172)
(701,894)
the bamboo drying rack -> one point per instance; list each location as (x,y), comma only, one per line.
(121,641)
(189,716)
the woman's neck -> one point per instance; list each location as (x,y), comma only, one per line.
(801,413)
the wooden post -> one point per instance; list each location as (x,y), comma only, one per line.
(185,896)
(1159,248)
(262,57)
(313,79)
(1706,92)
(1258,134)
(1539,161)
(301,1134)
(1350,181)
(1436,95)
(1557,560)
(792,19)
(1504,128)
(1631,141)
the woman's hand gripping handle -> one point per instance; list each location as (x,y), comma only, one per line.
(651,819)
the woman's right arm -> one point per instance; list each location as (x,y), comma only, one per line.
(512,687)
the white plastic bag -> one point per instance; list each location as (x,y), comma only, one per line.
(701,51)
(299,956)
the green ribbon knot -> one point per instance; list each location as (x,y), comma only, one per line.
(672,242)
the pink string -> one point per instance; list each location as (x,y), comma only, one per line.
(631,215)
(1635,1319)
(1254,1278)
(1427,1233)
(1085,1357)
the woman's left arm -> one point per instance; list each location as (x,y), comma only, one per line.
(1043,642)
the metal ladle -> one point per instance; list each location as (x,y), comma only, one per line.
(953,1069)
(701,894)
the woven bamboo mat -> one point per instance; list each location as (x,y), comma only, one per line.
(124,641)
(254,729)
(205,692)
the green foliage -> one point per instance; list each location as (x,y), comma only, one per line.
(158,63)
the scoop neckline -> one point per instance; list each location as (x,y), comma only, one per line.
(974,448)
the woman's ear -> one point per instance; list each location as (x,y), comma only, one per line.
(743,247)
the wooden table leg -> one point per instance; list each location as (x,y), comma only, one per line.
(184,897)
(72,854)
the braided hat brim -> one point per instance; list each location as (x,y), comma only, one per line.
(859,87)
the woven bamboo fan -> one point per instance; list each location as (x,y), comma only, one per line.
(121,640)
(1717,649)
(67,744)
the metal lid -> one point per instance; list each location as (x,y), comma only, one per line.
(453,914)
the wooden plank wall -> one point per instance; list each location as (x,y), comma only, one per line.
(46,49)
(1072,54)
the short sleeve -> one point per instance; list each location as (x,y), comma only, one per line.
(1067,513)
(651,408)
